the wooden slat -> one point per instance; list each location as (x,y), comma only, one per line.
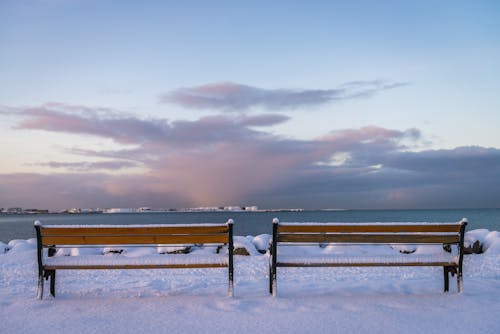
(361,228)
(369,238)
(367,264)
(134,240)
(137,266)
(149,230)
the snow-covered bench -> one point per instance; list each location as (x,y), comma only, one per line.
(401,236)
(52,239)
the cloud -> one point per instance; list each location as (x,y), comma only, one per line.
(91,166)
(228,96)
(132,130)
(226,160)
(81,120)
(464,177)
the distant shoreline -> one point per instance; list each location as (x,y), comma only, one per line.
(196,210)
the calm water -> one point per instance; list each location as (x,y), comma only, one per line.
(249,223)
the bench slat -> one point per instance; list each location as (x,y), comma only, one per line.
(109,230)
(367,264)
(369,238)
(134,240)
(361,228)
(137,266)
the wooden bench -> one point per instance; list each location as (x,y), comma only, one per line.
(445,234)
(52,237)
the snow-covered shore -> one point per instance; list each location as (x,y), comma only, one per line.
(316,300)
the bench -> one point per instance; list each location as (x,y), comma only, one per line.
(50,238)
(449,237)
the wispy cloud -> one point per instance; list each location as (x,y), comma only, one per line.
(91,166)
(223,159)
(228,96)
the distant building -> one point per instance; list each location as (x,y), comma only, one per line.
(90,210)
(119,210)
(35,211)
(233,208)
(14,210)
(144,209)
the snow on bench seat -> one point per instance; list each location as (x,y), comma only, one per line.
(118,261)
(380,260)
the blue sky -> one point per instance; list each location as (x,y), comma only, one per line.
(317,104)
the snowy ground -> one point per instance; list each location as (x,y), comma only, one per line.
(315,300)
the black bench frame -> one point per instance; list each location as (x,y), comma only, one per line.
(52,236)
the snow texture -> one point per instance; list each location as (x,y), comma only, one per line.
(120,259)
(127,226)
(370,223)
(262,242)
(310,300)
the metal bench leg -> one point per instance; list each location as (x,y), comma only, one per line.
(459,282)
(270,278)
(446,272)
(231,283)
(39,292)
(274,251)
(53,283)
(230,250)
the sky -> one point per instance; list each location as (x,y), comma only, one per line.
(282,104)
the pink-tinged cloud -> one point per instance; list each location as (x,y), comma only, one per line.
(132,130)
(370,134)
(372,137)
(91,166)
(70,119)
(228,96)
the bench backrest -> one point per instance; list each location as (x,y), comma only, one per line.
(428,233)
(134,234)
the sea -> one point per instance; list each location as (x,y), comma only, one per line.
(20,226)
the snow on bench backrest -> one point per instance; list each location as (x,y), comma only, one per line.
(370,232)
(134,234)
